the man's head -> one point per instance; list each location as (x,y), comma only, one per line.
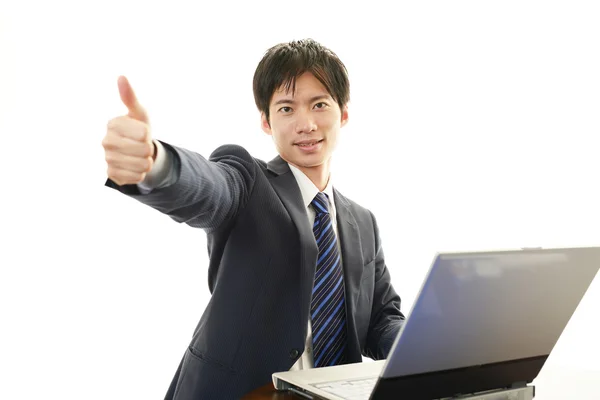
(302,90)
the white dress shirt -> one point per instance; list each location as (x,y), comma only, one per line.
(162,175)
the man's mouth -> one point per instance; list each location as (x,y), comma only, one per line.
(309,143)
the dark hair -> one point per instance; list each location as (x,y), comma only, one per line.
(283,63)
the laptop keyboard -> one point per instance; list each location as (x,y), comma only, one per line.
(357,389)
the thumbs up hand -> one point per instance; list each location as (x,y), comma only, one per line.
(128,146)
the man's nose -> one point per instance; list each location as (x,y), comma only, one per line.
(305,123)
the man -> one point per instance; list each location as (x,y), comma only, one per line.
(296,272)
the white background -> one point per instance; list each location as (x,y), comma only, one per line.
(473,125)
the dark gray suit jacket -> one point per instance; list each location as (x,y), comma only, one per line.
(262,261)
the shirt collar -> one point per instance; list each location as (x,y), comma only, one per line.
(308,189)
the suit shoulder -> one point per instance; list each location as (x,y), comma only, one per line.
(230,150)
(235,151)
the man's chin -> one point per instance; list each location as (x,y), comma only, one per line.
(306,160)
(309,163)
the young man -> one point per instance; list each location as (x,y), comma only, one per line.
(297,273)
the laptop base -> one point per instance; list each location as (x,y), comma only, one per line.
(524,393)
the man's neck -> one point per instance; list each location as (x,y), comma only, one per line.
(318,175)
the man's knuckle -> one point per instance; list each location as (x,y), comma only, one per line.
(149,149)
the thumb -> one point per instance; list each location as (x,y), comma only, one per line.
(136,111)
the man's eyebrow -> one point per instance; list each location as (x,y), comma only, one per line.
(311,100)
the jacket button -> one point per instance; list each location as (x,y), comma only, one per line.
(294,354)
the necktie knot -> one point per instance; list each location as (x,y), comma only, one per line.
(320,203)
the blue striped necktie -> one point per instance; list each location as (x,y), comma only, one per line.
(327,311)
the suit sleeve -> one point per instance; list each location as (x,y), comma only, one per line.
(206,193)
(386,317)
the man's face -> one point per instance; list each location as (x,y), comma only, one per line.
(305,126)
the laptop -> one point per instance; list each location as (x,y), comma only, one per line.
(483,323)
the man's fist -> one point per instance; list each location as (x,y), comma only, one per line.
(128,146)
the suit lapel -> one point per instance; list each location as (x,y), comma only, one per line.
(288,191)
(353,267)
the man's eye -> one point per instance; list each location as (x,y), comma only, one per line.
(286,109)
(321,105)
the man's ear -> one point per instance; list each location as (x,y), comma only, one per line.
(344,115)
(264,124)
